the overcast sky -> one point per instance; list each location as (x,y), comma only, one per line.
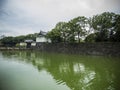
(19,17)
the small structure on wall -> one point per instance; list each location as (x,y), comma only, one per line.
(41,38)
(23,44)
(29,43)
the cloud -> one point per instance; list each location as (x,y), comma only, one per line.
(36,15)
(14,31)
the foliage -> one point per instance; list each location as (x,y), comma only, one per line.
(105,27)
(54,35)
(78,27)
(67,31)
(99,28)
(103,24)
(91,37)
(17,45)
(116,36)
(8,41)
(12,41)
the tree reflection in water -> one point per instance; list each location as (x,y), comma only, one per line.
(77,72)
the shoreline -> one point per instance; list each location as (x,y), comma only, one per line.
(13,48)
(95,49)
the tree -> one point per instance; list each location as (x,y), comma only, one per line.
(78,26)
(71,30)
(8,41)
(62,27)
(116,36)
(31,36)
(54,35)
(12,41)
(91,37)
(103,25)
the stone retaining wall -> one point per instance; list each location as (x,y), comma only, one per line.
(109,49)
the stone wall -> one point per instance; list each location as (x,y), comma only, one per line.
(106,49)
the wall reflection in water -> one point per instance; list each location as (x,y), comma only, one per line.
(76,72)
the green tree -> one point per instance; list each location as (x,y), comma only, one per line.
(116,36)
(54,35)
(71,31)
(78,27)
(31,36)
(62,27)
(91,37)
(12,41)
(103,25)
(8,41)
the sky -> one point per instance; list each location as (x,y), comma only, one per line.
(21,17)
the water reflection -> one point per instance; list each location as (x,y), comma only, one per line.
(76,72)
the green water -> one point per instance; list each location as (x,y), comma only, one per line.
(25,70)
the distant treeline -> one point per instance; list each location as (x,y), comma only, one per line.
(12,41)
(104,27)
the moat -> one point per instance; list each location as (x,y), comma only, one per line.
(34,70)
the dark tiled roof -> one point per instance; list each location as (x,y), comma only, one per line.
(29,40)
(42,33)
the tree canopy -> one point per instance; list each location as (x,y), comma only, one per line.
(103,27)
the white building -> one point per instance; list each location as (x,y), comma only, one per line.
(23,44)
(33,44)
(41,38)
